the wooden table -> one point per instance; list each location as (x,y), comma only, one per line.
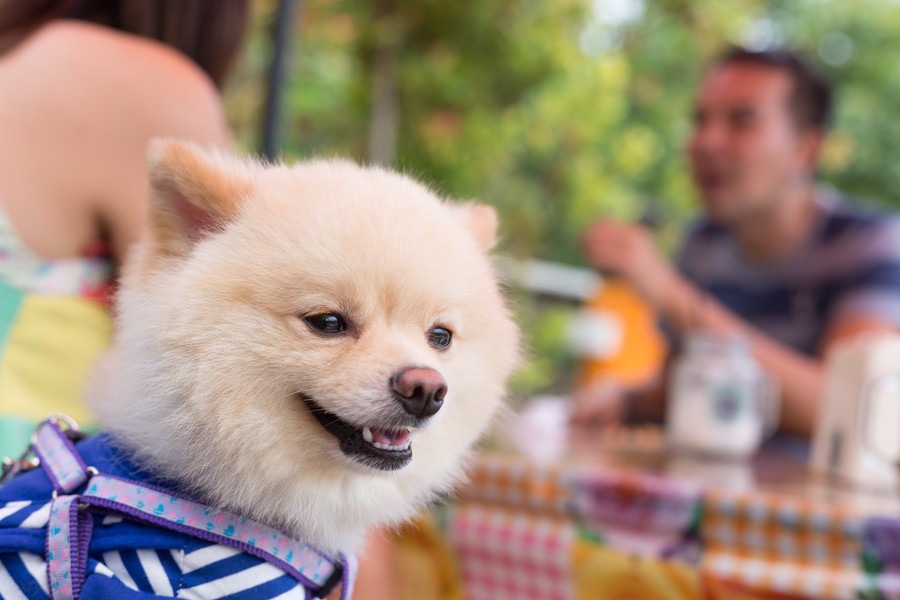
(617,515)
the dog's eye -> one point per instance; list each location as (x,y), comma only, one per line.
(327,323)
(439,338)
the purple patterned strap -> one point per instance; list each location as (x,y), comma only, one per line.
(348,578)
(62,463)
(68,536)
(68,533)
(311,567)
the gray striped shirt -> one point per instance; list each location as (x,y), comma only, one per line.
(849,266)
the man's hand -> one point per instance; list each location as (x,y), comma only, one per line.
(628,250)
(600,402)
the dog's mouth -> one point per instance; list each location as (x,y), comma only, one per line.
(386,449)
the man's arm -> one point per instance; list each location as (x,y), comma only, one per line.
(799,377)
(630,251)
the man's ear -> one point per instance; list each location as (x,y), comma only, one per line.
(192,192)
(482,222)
(811,143)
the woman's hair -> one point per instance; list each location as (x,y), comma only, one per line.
(208,31)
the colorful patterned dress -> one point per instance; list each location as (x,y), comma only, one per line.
(54,322)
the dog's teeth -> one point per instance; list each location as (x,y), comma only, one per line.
(367,435)
(388,447)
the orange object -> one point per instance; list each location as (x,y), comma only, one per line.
(640,349)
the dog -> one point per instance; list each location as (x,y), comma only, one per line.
(311,349)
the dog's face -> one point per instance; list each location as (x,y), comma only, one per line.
(323,338)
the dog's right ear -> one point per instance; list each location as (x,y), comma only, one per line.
(193,192)
(482,222)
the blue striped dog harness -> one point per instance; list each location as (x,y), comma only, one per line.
(71,531)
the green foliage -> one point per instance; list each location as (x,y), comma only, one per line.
(560,111)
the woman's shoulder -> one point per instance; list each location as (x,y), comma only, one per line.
(126,81)
(76,52)
(104,46)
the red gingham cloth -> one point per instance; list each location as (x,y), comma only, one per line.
(509,554)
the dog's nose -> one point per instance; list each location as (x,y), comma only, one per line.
(420,391)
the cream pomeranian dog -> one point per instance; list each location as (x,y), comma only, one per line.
(302,353)
(316,347)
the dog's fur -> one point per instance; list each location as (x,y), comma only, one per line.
(213,355)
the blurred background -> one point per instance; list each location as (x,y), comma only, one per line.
(555,111)
(559,113)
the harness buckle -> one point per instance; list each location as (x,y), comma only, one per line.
(11,467)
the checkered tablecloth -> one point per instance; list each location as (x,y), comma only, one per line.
(509,554)
(783,544)
(511,533)
(519,524)
(501,480)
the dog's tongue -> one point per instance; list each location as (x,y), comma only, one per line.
(390,438)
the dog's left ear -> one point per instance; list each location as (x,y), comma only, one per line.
(193,191)
(482,221)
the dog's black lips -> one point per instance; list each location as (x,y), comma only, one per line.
(352,443)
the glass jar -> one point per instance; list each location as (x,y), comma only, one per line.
(721,402)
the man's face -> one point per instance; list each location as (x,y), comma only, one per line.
(746,149)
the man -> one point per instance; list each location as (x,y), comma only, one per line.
(776,259)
